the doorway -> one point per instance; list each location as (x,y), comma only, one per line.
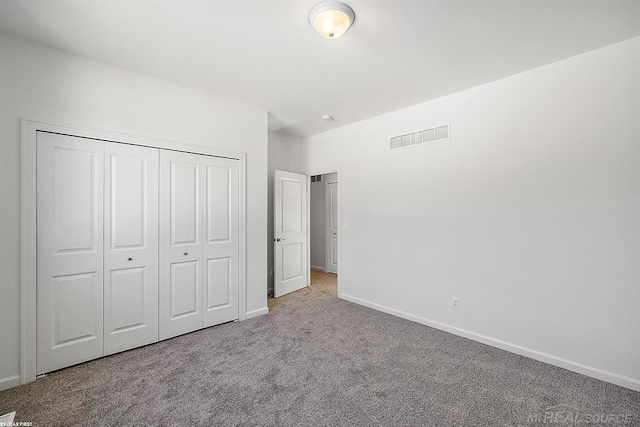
(324,230)
(294,268)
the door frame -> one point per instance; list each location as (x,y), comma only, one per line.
(322,171)
(28,260)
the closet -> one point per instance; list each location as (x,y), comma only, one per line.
(134,245)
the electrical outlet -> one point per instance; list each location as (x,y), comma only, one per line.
(455,303)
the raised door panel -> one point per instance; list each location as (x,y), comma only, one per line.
(218,283)
(128,196)
(220,181)
(220,297)
(127,293)
(131,247)
(74,316)
(292,204)
(181,235)
(334,253)
(292,254)
(69,288)
(184,283)
(73,205)
(184,202)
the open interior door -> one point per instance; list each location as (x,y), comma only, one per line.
(290,232)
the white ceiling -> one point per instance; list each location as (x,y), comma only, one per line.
(398,53)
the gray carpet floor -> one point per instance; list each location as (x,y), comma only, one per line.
(315,360)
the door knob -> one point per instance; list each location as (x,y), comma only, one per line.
(130,259)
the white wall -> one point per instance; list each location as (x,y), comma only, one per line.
(530,214)
(44,84)
(285,153)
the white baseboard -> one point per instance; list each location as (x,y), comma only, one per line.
(256,313)
(9,382)
(628,382)
(313,267)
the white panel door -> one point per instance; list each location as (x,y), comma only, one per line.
(181,233)
(331,222)
(220,248)
(290,232)
(69,285)
(131,247)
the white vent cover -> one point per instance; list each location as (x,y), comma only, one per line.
(434,134)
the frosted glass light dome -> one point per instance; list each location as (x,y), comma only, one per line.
(331,19)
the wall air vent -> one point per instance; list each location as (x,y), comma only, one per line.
(427,136)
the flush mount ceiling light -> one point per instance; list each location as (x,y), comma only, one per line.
(331,19)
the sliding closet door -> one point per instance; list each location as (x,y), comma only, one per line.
(220,241)
(181,191)
(131,247)
(69,250)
